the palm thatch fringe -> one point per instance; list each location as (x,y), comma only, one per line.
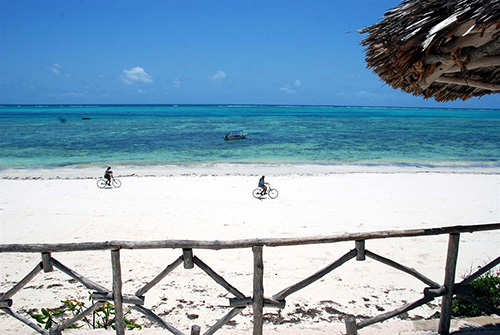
(446,50)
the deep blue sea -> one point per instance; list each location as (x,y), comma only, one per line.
(55,136)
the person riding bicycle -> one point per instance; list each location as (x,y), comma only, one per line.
(262,185)
(108,175)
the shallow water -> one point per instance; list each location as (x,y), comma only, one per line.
(55,136)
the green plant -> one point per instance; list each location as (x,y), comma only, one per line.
(485,288)
(102,317)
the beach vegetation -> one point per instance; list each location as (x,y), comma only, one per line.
(102,317)
(485,288)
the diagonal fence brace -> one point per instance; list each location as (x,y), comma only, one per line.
(402,268)
(232,313)
(24,320)
(218,279)
(397,311)
(80,316)
(151,315)
(160,276)
(7,295)
(479,272)
(318,275)
(78,277)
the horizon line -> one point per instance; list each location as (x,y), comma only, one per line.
(238,105)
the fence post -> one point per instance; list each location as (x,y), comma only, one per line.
(47,266)
(195,330)
(360,250)
(449,282)
(258,290)
(350,326)
(188,258)
(117,291)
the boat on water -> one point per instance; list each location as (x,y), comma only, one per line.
(235,135)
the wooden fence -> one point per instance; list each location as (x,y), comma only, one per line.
(257,301)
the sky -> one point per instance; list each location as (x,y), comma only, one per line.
(195,52)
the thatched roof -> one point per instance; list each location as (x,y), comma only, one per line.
(436,48)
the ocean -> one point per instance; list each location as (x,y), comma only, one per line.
(34,137)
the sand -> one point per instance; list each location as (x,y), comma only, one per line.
(216,203)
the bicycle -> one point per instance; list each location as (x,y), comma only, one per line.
(103,182)
(271,192)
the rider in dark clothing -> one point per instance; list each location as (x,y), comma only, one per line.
(108,175)
(262,184)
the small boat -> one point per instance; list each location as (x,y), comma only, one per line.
(235,135)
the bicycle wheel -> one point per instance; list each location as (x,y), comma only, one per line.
(273,193)
(257,193)
(101,183)
(116,183)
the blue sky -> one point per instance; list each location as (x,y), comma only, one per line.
(194,52)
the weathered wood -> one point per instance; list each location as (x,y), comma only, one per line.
(158,320)
(7,295)
(482,270)
(80,316)
(350,326)
(127,298)
(187,254)
(434,292)
(393,313)
(438,72)
(492,61)
(218,279)
(468,82)
(403,268)
(484,306)
(268,302)
(300,285)
(258,290)
(360,250)
(158,278)
(84,281)
(480,52)
(6,303)
(475,40)
(25,320)
(238,244)
(195,330)
(117,291)
(449,280)
(223,321)
(245,243)
(46,265)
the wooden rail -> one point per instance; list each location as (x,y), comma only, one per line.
(240,301)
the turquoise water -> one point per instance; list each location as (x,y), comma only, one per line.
(54,136)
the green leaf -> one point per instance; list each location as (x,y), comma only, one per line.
(59,311)
(38,317)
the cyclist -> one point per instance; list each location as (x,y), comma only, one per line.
(108,175)
(262,185)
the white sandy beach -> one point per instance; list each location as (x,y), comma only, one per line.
(217,204)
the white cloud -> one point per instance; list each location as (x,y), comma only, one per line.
(290,88)
(287,89)
(57,70)
(177,82)
(219,76)
(365,94)
(136,74)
